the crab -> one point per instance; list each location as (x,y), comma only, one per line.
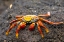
(22,20)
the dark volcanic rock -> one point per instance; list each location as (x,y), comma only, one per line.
(36,7)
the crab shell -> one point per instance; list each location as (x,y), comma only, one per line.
(30,18)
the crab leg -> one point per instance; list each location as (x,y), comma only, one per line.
(46,29)
(31,27)
(13,21)
(45,15)
(21,26)
(19,16)
(19,19)
(11,26)
(40,31)
(56,23)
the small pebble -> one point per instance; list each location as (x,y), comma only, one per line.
(10,6)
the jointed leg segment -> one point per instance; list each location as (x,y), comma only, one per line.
(21,26)
(13,21)
(18,19)
(19,16)
(40,31)
(11,26)
(53,23)
(45,15)
(41,24)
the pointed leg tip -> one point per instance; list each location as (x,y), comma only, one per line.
(47,31)
(16,35)
(7,33)
(42,36)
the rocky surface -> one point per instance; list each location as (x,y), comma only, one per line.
(36,7)
(4,4)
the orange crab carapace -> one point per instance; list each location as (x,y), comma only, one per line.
(22,20)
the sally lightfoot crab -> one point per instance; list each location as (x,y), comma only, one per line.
(22,20)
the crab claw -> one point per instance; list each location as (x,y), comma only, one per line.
(21,26)
(31,27)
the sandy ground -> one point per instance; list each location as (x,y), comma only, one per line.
(36,7)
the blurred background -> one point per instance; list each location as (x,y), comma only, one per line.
(4,4)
